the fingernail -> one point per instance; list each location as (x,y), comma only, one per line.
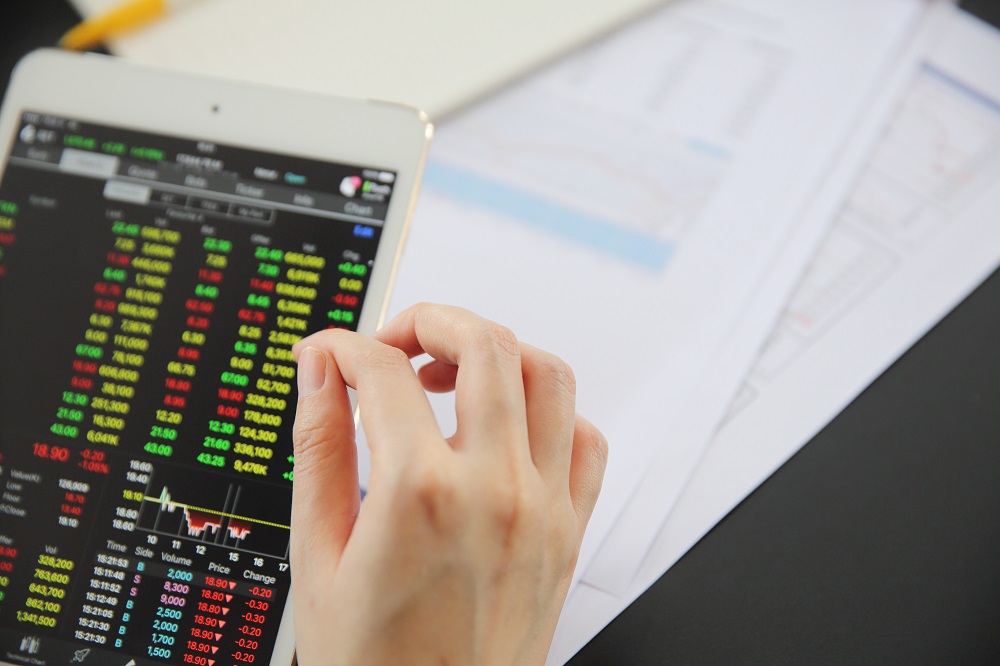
(312,371)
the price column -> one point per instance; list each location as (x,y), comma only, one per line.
(137,309)
(254,443)
(210,620)
(234,381)
(267,403)
(139,313)
(108,291)
(181,371)
(8,224)
(300,293)
(8,556)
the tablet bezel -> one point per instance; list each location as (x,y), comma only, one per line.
(111,91)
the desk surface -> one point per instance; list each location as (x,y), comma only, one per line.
(878,542)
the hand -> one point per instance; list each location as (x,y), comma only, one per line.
(464,548)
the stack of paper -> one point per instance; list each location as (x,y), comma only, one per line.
(647,208)
(625,215)
(916,234)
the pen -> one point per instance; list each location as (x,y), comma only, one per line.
(122,18)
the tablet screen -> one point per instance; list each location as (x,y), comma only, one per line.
(150,290)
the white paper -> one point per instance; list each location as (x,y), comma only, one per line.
(615,564)
(917,234)
(621,208)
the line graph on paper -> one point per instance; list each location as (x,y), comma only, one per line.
(216,513)
(940,150)
(623,146)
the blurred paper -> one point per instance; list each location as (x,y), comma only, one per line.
(916,235)
(621,208)
(635,528)
(437,55)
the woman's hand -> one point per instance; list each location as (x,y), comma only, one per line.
(464,549)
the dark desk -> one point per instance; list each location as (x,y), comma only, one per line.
(879,542)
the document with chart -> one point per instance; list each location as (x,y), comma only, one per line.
(916,235)
(621,207)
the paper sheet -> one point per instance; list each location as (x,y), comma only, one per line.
(622,216)
(917,234)
(635,528)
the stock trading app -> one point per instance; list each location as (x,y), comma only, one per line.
(151,289)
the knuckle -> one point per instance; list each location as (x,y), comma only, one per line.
(558,372)
(511,507)
(506,513)
(427,490)
(423,307)
(599,447)
(313,444)
(497,339)
(307,432)
(383,358)
(423,313)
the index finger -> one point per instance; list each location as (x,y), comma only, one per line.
(489,387)
(393,406)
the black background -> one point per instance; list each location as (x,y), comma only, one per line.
(879,542)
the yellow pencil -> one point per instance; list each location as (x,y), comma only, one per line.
(126,16)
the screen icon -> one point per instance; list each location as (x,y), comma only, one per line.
(349,186)
(31,644)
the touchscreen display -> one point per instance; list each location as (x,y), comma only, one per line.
(151,288)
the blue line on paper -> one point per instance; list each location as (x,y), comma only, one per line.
(468,187)
(961,87)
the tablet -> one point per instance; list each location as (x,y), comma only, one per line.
(164,240)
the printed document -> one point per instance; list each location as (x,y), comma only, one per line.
(623,216)
(916,235)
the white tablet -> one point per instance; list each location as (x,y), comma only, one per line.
(164,240)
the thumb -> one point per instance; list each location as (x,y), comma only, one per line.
(325,495)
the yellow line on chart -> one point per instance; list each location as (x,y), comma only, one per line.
(218,513)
